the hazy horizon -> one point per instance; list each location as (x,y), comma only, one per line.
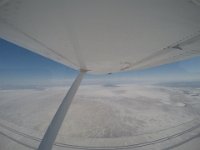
(20,68)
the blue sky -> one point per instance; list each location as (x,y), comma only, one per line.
(21,67)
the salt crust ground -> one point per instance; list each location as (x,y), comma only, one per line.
(100,111)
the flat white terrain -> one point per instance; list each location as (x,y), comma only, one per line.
(102,115)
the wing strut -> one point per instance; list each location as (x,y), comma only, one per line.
(53,129)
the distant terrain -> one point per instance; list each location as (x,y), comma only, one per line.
(107,111)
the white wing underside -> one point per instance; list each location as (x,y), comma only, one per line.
(104,36)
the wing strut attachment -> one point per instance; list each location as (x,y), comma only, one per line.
(53,129)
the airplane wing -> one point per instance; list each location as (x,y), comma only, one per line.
(104,36)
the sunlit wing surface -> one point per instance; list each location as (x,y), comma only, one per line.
(104,36)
